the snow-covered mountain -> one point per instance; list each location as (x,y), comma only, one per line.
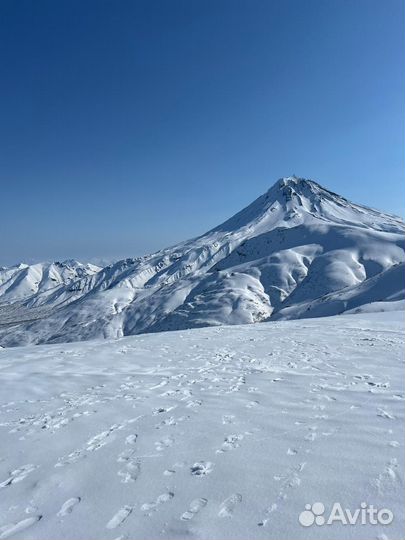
(23,281)
(297,251)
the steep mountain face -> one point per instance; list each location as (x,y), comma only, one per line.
(299,250)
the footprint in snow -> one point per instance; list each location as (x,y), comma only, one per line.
(153,506)
(132,470)
(92,445)
(131,439)
(31,508)
(103,438)
(385,414)
(18,475)
(252,404)
(160,410)
(394,444)
(163,383)
(388,479)
(164,443)
(119,517)
(312,435)
(193,404)
(228,506)
(268,511)
(194,508)
(171,421)
(289,480)
(230,443)
(67,506)
(201,468)
(13,528)
(174,467)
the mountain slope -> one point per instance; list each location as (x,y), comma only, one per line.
(294,247)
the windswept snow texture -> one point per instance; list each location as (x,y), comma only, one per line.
(298,251)
(214,433)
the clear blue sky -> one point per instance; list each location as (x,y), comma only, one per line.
(126,126)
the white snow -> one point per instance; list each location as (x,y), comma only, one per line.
(213,433)
(297,251)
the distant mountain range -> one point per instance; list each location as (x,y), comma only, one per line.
(297,251)
(20,282)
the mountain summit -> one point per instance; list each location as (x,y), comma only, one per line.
(298,250)
(295,198)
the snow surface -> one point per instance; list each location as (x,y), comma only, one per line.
(297,251)
(214,433)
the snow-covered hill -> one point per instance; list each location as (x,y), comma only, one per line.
(217,433)
(297,251)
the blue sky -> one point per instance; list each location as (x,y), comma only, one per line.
(127,126)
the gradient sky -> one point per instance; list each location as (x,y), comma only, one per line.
(126,126)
